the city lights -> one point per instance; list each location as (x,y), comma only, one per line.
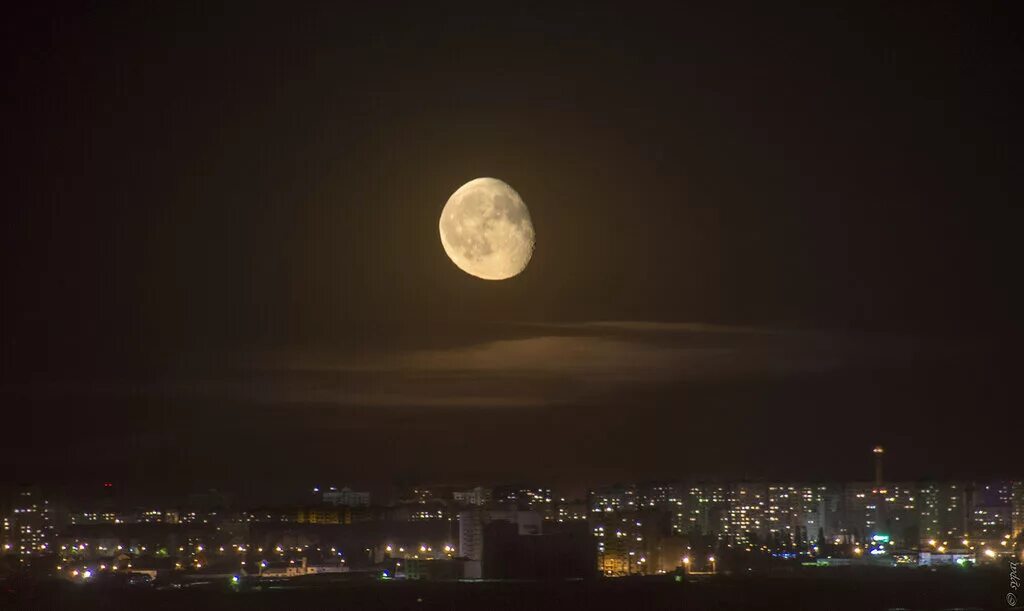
(754,522)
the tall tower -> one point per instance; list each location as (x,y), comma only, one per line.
(879,451)
(878,496)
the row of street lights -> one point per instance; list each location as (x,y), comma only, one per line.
(711,559)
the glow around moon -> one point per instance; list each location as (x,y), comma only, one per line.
(486,230)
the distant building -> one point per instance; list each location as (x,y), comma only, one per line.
(296,569)
(746,519)
(632,542)
(571,512)
(29,528)
(565,553)
(92,517)
(991,514)
(471,532)
(943,512)
(613,498)
(430,511)
(858,512)
(934,559)
(702,509)
(1017,508)
(475,496)
(794,514)
(525,498)
(346,497)
(431,569)
(322,515)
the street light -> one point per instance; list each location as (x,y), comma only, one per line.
(711,559)
(686,563)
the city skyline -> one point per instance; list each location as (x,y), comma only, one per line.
(252,249)
(121,494)
(886,522)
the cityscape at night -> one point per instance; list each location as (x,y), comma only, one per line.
(511,306)
(516,532)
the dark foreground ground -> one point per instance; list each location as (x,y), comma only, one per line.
(821,590)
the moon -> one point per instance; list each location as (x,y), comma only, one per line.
(486,230)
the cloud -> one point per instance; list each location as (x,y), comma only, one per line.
(657,326)
(532,365)
(556,364)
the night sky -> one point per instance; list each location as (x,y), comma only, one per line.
(768,238)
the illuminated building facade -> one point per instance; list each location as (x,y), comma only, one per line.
(477,496)
(345,497)
(746,518)
(1017,508)
(992,510)
(29,529)
(942,511)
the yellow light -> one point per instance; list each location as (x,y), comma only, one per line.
(990,553)
(686,560)
(857,550)
(931,542)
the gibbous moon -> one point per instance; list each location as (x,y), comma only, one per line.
(486,229)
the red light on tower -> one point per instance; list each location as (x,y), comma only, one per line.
(108,485)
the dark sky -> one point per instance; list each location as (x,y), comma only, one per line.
(768,238)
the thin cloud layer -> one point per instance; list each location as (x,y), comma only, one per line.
(585,363)
(570,363)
